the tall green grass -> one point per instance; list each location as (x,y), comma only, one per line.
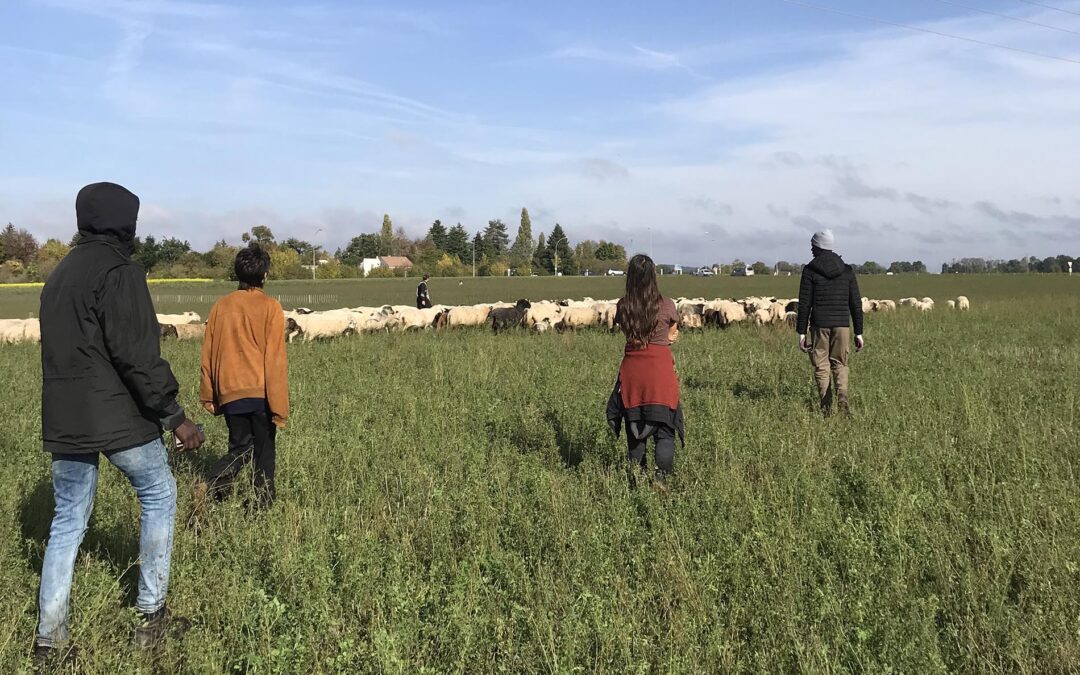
(455,503)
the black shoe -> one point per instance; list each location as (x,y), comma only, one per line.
(158,627)
(47,659)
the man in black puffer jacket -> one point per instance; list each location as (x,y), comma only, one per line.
(106,391)
(829,300)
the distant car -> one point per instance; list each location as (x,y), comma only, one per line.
(616,273)
(704,272)
(742,272)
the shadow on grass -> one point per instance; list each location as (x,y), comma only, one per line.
(117,543)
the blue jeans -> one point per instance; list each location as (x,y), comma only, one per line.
(74,482)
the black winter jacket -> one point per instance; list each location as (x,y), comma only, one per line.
(829,295)
(104,384)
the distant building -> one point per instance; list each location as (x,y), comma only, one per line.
(368,264)
(395,262)
(677,270)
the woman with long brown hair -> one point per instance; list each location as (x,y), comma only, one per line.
(646,395)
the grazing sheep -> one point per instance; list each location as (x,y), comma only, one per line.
(962,303)
(886,305)
(908,302)
(791,319)
(791,306)
(690,314)
(577,317)
(190,331)
(14,331)
(509,317)
(168,331)
(319,326)
(928,301)
(605,314)
(867,305)
(468,317)
(762,317)
(723,313)
(951,304)
(776,312)
(544,311)
(179,319)
(542,326)
(924,306)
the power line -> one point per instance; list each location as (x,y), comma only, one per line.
(999,15)
(1045,6)
(929,31)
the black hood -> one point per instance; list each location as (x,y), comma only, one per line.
(107,209)
(828,264)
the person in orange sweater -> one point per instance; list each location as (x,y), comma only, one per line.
(245,377)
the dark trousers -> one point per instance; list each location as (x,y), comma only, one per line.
(423,303)
(252,438)
(637,441)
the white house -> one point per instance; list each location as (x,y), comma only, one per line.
(368,264)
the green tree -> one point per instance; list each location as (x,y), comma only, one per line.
(302,248)
(522,251)
(457,243)
(541,261)
(49,256)
(438,236)
(559,246)
(18,244)
(171,250)
(761,268)
(386,235)
(496,239)
(261,235)
(363,246)
(871,267)
(147,253)
(610,252)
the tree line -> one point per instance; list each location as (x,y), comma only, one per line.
(442,251)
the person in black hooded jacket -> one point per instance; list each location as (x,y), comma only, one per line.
(106,391)
(829,301)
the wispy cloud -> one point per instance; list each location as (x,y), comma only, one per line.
(630,56)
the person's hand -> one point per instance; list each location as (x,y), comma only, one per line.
(804,346)
(209,407)
(188,436)
(859,343)
(673,334)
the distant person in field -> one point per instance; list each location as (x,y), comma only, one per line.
(245,377)
(646,395)
(423,300)
(829,301)
(106,391)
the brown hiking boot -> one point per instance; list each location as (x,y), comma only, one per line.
(842,405)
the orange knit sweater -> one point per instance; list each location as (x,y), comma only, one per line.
(243,354)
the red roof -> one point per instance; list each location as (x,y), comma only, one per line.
(395,261)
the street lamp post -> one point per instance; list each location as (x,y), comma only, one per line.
(556,246)
(314,250)
(474,258)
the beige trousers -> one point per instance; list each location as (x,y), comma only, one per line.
(829,356)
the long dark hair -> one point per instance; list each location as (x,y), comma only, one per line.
(641,302)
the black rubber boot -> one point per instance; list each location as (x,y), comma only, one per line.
(47,659)
(158,627)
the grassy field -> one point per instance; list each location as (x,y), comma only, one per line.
(18,303)
(455,503)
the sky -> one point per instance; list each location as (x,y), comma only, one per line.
(697,131)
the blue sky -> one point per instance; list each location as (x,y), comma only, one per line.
(731,128)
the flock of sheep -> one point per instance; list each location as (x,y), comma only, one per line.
(564,315)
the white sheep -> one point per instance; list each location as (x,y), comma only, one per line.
(473,316)
(190,331)
(14,331)
(951,304)
(962,303)
(542,312)
(574,318)
(319,325)
(178,319)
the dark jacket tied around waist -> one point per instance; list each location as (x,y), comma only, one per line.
(829,295)
(647,391)
(104,384)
